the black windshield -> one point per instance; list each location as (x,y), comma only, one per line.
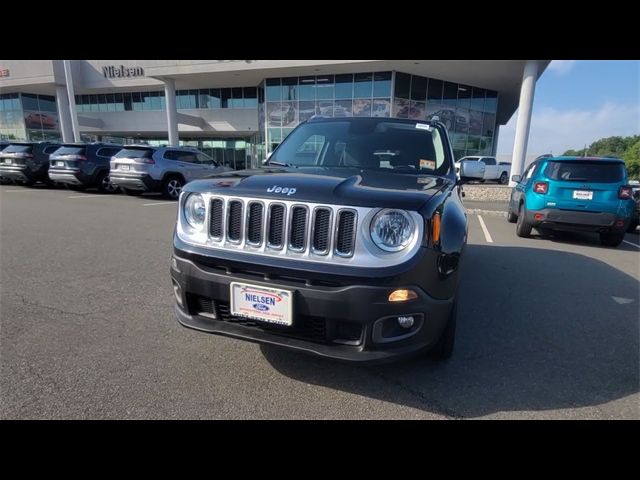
(366,143)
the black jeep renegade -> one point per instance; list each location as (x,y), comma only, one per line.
(347,244)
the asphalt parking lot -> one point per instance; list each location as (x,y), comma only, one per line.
(548,328)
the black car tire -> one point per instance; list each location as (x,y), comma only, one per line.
(523,228)
(172,186)
(632,226)
(131,193)
(444,348)
(511,217)
(611,239)
(504,178)
(103,184)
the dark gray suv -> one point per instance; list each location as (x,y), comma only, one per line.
(81,165)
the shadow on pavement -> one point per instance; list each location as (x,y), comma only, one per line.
(537,330)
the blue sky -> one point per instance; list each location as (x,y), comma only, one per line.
(578,102)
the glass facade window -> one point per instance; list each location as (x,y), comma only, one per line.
(363,85)
(289,89)
(403,85)
(274,92)
(382,84)
(344,86)
(291,100)
(306,88)
(215,98)
(467,112)
(325,87)
(418,88)
(250,97)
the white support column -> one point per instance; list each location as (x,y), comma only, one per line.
(68,78)
(523,123)
(172,110)
(63,113)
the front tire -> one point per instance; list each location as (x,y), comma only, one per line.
(523,228)
(611,239)
(511,217)
(172,187)
(444,348)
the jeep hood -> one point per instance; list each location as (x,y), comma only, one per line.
(342,186)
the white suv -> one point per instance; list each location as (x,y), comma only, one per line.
(142,168)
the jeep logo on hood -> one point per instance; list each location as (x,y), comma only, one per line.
(284,190)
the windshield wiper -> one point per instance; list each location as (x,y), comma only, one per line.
(280,164)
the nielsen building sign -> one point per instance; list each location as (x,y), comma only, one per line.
(111,71)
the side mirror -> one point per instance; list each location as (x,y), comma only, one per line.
(515,178)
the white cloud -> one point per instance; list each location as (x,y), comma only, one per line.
(561,67)
(555,131)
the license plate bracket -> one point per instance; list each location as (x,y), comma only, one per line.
(583,195)
(265,304)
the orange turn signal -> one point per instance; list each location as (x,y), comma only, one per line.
(402,295)
(435,228)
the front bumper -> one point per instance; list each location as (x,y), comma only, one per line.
(339,322)
(134,181)
(570,220)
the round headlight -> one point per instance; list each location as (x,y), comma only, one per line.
(392,230)
(194,210)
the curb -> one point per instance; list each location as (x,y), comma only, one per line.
(486,212)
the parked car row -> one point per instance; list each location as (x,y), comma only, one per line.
(133,169)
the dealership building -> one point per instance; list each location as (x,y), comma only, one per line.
(238,110)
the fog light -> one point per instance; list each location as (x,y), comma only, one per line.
(406,322)
(538,216)
(177,293)
(619,223)
(402,295)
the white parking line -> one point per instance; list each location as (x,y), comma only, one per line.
(84,196)
(14,191)
(158,203)
(487,235)
(631,243)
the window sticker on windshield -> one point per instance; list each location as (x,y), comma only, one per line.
(430,164)
(423,126)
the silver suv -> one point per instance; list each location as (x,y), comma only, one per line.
(142,168)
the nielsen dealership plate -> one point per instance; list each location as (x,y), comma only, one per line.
(261,303)
(583,194)
(124,167)
(7,161)
(59,164)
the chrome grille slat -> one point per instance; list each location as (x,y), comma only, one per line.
(216,216)
(254,223)
(234,221)
(345,233)
(321,230)
(298,228)
(275,225)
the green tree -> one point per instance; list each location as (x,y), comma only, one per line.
(632,160)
